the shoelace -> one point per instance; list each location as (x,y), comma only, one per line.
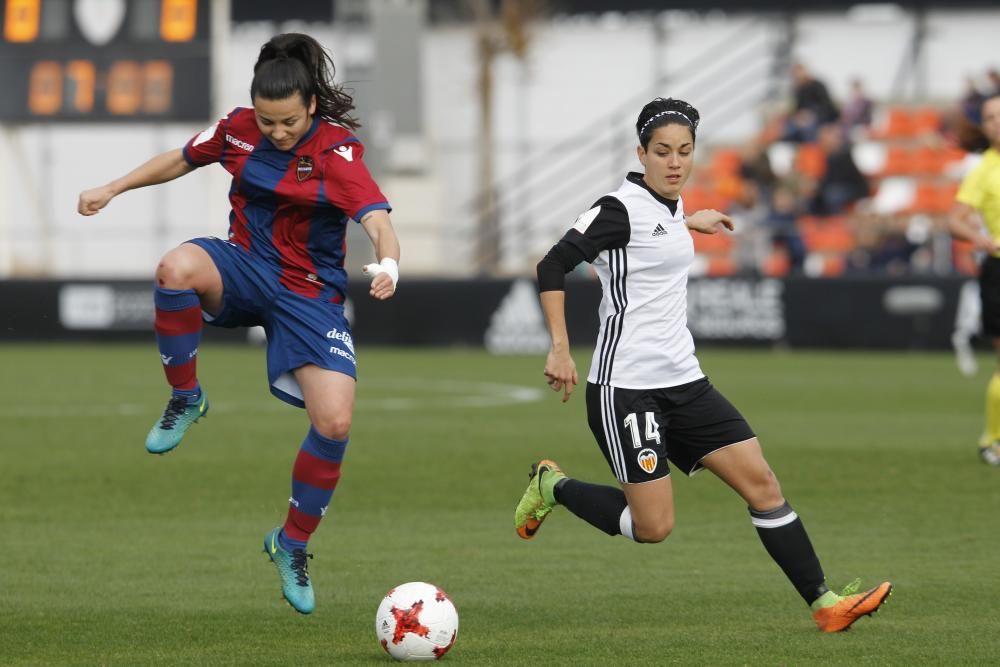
(300,567)
(175,408)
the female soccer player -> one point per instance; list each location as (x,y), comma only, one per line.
(298,177)
(647,398)
(980,193)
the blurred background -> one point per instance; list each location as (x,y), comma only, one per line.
(829,131)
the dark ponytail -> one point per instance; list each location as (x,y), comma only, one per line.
(971,136)
(664,111)
(295,63)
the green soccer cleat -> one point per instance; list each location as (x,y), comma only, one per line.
(177,418)
(538,499)
(295,583)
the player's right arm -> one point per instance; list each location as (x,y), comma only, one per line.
(964,224)
(160,169)
(604,226)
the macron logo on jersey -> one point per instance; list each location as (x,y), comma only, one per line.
(239,143)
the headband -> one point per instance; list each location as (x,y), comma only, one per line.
(664,113)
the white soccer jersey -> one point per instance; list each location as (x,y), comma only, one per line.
(644,341)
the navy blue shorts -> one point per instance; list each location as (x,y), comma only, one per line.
(639,429)
(299,330)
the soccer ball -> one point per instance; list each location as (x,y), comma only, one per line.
(416,621)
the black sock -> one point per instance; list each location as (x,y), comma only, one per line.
(600,506)
(786,541)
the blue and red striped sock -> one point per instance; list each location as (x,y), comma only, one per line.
(178,331)
(314,477)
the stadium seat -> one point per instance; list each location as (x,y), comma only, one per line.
(893,123)
(925,120)
(699,196)
(725,162)
(830,235)
(776,264)
(894,195)
(898,161)
(720,242)
(781,155)
(721,265)
(870,156)
(810,160)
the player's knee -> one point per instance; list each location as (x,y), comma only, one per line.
(765,493)
(333,426)
(653,530)
(173,272)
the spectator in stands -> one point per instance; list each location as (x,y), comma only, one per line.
(755,168)
(978,202)
(857,111)
(780,224)
(972,101)
(842,183)
(993,74)
(813,106)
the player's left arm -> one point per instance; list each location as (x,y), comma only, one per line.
(707,221)
(385,274)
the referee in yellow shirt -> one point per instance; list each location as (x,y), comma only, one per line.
(979,200)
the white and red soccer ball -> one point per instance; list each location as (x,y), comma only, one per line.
(416,621)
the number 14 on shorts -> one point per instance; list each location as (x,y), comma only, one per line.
(652,429)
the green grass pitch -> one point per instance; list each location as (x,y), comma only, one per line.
(115,557)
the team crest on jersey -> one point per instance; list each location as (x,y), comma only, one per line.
(647,460)
(304,168)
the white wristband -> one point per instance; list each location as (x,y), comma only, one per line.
(387,265)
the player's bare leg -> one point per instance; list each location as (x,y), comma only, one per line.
(743,467)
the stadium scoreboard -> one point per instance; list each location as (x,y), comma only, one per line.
(105,60)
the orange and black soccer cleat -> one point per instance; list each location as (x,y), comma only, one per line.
(841,614)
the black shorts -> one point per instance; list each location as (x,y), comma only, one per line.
(639,429)
(989,293)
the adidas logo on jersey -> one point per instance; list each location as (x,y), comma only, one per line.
(659,231)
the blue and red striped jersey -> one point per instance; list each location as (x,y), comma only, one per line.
(290,208)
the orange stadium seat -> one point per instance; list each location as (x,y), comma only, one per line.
(698,197)
(898,161)
(926,120)
(720,242)
(721,265)
(776,264)
(933,198)
(725,162)
(832,235)
(834,265)
(927,160)
(810,160)
(893,123)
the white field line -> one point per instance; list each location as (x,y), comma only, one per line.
(378,397)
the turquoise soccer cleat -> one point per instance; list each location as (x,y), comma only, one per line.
(294,573)
(177,418)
